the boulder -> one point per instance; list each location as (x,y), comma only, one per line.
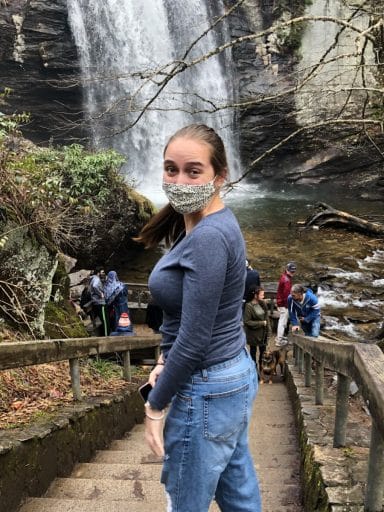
(27,269)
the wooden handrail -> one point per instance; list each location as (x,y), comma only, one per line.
(27,353)
(365,365)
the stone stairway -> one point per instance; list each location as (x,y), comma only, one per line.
(125,478)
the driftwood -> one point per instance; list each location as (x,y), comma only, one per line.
(329,217)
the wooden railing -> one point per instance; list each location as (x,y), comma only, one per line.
(365,365)
(26,353)
(138,294)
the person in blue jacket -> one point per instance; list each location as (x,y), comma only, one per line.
(304,310)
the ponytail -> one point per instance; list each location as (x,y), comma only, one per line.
(165,225)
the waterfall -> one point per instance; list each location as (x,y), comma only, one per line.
(126,50)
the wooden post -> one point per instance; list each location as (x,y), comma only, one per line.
(375,481)
(301,359)
(319,392)
(307,369)
(127,374)
(74,369)
(342,396)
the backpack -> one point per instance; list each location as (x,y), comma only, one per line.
(314,287)
(86,299)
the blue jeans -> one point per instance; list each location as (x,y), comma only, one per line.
(206,440)
(311,328)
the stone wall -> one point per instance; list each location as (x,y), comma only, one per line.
(31,458)
(333,478)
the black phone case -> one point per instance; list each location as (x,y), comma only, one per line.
(144,390)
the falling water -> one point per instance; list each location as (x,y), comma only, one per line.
(126,50)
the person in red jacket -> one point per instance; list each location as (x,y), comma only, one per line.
(283,290)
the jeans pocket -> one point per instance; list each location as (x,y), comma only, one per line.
(225,413)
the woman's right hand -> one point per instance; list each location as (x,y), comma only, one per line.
(154,375)
(154,430)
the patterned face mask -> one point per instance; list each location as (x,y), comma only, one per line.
(189,198)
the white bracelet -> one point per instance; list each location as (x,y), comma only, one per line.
(153,418)
(146,405)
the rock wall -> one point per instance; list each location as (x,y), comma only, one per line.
(38,61)
(275,63)
(261,71)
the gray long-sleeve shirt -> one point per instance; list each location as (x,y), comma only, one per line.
(199,285)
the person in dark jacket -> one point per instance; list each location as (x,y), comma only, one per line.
(116,298)
(304,310)
(283,290)
(252,278)
(256,323)
(96,289)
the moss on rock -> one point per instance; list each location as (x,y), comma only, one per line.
(62,321)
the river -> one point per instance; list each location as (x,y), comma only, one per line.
(347,266)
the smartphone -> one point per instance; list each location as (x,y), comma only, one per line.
(144,391)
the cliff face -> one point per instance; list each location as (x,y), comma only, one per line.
(38,61)
(272,79)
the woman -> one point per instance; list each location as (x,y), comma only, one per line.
(115,294)
(204,370)
(256,322)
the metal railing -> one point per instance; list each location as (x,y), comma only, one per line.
(365,365)
(26,353)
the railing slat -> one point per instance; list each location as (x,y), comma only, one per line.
(375,481)
(74,368)
(301,359)
(127,374)
(319,391)
(341,416)
(307,369)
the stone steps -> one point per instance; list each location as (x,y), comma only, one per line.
(116,471)
(126,477)
(67,505)
(105,489)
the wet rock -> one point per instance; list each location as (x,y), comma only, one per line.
(38,61)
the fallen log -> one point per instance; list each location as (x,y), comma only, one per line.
(330,217)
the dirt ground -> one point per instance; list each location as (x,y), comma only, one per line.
(36,392)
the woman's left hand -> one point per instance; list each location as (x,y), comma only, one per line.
(153,376)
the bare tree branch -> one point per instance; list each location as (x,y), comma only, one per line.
(333,122)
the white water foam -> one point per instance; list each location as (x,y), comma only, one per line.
(126,50)
(334,324)
(333,299)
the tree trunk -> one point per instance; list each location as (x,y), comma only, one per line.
(329,217)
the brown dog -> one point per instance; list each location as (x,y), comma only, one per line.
(269,362)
